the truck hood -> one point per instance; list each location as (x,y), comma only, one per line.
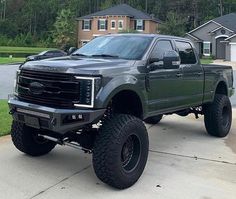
(76,65)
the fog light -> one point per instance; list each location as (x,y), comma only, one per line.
(73,118)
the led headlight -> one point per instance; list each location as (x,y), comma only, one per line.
(16,81)
(88,87)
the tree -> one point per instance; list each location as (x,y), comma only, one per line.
(174,25)
(64,28)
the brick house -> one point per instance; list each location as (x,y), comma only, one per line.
(114,20)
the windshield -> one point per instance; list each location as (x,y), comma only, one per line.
(124,47)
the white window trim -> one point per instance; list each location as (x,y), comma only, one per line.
(221,36)
(137,26)
(113,28)
(86,30)
(100,25)
(207,54)
(122,21)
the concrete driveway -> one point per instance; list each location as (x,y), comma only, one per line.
(184,163)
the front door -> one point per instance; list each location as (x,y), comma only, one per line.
(220,48)
(164,84)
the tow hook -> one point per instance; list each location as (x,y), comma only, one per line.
(12,111)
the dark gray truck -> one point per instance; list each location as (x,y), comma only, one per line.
(97,99)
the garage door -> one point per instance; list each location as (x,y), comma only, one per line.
(233,52)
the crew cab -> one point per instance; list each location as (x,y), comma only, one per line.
(97,98)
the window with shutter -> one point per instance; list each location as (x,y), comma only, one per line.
(86,25)
(102,24)
(139,24)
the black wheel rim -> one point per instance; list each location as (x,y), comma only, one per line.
(130,153)
(225,116)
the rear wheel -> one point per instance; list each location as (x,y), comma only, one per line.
(154,119)
(218,116)
(120,151)
(26,140)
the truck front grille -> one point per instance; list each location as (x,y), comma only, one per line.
(55,90)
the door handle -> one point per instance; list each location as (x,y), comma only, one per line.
(199,74)
(179,75)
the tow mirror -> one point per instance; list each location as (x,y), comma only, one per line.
(171,60)
(154,64)
(71,50)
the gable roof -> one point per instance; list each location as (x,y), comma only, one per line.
(122,10)
(228,21)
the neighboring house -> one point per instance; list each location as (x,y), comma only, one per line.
(114,20)
(217,37)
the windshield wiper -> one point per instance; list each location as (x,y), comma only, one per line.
(79,54)
(105,55)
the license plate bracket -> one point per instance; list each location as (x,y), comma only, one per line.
(32,121)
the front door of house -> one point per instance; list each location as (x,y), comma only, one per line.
(220,48)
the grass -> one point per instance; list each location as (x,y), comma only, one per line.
(26,50)
(5,118)
(206,61)
(7,60)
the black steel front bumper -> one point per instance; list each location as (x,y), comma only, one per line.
(42,117)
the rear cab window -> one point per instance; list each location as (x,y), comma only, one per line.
(186,52)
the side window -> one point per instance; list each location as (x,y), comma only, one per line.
(160,48)
(186,52)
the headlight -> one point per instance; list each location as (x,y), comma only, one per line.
(16,81)
(89,86)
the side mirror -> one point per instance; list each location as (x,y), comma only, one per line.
(154,64)
(71,50)
(171,60)
(153,60)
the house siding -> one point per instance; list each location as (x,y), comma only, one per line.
(228,52)
(233,39)
(202,32)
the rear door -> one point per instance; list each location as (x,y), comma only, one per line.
(193,74)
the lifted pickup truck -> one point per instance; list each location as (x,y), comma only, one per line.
(97,99)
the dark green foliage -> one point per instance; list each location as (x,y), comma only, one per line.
(32,22)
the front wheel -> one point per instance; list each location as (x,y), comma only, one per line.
(218,116)
(26,140)
(120,151)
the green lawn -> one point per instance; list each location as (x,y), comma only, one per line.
(206,61)
(7,60)
(15,50)
(5,118)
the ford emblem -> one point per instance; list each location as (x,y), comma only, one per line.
(36,88)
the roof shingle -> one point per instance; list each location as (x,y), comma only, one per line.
(122,10)
(229,21)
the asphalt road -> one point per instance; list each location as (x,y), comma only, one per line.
(184,163)
(7,76)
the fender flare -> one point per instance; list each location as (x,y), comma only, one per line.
(118,84)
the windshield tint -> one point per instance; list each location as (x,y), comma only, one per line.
(124,47)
